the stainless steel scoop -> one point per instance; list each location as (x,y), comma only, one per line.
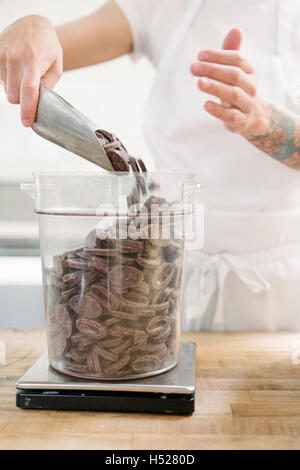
(61,123)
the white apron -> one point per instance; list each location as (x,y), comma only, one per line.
(248,275)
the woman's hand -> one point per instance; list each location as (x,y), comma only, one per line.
(229,76)
(30,52)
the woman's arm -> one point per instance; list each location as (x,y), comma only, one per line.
(279,137)
(229,76)
(31,51)
(101,36)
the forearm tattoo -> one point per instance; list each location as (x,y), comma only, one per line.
(282,140)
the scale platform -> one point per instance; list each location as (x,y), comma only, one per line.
(172,392)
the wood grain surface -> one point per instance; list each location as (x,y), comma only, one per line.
(248,397)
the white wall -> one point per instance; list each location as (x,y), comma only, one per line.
(112,94)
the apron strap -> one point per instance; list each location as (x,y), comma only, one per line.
(212,271)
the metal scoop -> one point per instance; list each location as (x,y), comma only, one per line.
(59,122)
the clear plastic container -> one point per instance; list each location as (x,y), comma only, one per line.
(112,270)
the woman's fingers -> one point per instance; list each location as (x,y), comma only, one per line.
(233,40)
(53,74)
(30,88)
(29,50)
(234,119)
(223,57)
(3,70)
(225,73)
(13,78)
(232,95)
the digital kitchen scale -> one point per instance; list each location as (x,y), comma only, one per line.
(43,388)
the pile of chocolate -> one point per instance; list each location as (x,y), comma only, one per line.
(112,304)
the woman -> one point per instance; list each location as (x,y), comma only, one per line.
(245,147)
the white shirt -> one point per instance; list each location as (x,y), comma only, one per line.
(151,26)
(247,276)
(181,135)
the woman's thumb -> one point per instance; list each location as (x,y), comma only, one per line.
(233,40)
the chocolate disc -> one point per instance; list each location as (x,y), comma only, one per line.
(105,135)
(59,263)
(143,289)
(104,353)
(151,251)
(72,366)
(92,328)
(105,296)
(68,293)
(104,252)
(144,312)
(157,325)
(58,343)
(129,246)
(141,183)
(63,320)
(154,348)
(115,330)
(125,276)
(72,253)
(142,166)
(126,260)
(56,280)
(157,235)
(111,321)
(145,363)
(148,263)
(98,264)
(171,252)
(134,164)
(122,315)
(77,264)
(71,279)
(118,159)
(133,300)
(109,342)
(163,335)
(91,239)
(93,363)
(176,279)
(86,306)
(166,294)
(156,307)
(104,239)
(116,366)
(154,201)
(122,347)
(82,341)
(84,256)
(162,276)
(76,356)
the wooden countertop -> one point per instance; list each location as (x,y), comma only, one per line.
(248,397)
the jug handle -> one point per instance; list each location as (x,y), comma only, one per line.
(29,189)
